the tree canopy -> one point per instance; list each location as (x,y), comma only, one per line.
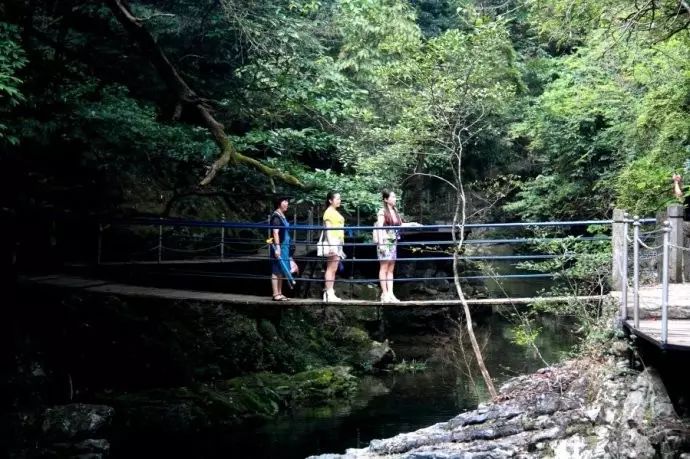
(562,109)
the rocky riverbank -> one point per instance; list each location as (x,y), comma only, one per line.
(590,407)
(80,368)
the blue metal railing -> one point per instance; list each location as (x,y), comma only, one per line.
(302,227)
(251,247)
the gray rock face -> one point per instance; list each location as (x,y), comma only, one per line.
(440,283)
(378,354)
(580,409)
(74,430)
(77,420)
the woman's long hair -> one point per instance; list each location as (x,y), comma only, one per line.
(388,218)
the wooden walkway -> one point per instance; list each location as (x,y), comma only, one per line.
(650,330)
(650,316)
(650,303)
(113,288)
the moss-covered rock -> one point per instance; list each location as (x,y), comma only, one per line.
(231,401)
(181,343)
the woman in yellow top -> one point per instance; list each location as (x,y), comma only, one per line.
(334,239)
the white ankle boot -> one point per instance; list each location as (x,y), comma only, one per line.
(389,297)
(329,297)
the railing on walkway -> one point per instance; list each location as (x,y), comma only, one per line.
(653,242)
(169,241)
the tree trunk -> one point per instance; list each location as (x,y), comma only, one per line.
(459,214)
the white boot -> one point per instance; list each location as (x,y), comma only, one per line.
(392,298)
(386,297)
(329,296)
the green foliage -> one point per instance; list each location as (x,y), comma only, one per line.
(375,33)
(643,185)
(12,60)
(451,92)
(525,333)
(581,268)
(407,367)
(567,23)
(227,402)
(609,130)
(358,95)
(661,128)
(350,187)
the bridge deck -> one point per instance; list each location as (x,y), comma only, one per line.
(650,314)
(650,330)
(102,286)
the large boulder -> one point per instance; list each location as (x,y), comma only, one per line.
(376,355)
(581,409)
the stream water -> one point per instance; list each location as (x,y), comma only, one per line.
(385,405)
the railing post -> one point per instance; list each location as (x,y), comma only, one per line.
(664,283)
(160,242)
(675,216)
(310,222)
(617,247)
(636,271)
(624,270)
(222,238)
(294,224)
(100,243)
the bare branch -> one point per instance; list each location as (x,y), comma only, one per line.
(685,5)
(157,15)
(184,94)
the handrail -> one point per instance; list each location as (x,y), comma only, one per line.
(240,225)
(665,246)
(224,245)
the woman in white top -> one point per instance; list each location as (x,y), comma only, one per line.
(386,244)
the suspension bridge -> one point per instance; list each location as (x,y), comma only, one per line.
(227,262)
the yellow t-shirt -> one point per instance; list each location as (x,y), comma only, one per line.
(334,218)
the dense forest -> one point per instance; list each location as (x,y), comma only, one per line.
(210,109)
(561,109)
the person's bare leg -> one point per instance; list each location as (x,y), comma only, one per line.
(276,285)
(331,268)
(383,276)
(389,277)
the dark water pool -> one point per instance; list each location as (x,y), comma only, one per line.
(385,406)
